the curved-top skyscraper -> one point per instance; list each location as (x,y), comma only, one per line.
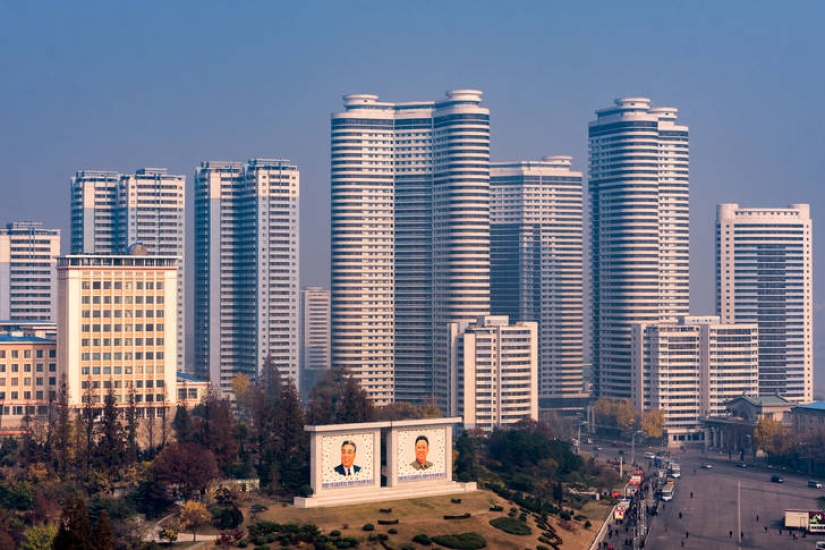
(639,197)
(410,242)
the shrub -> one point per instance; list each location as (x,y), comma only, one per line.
(565,515)
(243,543)
(510,525)
(455,500)
(392,531)
(422,538)
(465,515)
(335,533)
(385,510)
(463,541)
(587,524)
(496,508)
(369,527)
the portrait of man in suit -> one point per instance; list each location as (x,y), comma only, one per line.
(422,447)
(347,466)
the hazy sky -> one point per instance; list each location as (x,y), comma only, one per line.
(125,85)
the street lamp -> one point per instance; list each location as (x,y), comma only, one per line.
(579,437)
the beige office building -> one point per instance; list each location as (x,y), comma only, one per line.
(117,327)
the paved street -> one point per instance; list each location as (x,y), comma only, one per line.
(711,519)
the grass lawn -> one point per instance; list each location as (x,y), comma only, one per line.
(426,515)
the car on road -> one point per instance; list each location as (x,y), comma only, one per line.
(707,466)
(741,465)
(621,451)
(777,479)
(649,455)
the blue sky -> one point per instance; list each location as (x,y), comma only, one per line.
(120,86)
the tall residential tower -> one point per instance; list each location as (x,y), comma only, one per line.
(536,264)
(640,235)
(28,275)
(246,269)
(410,238)
(112,211)
(764,275)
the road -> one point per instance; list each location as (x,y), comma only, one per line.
(727,501)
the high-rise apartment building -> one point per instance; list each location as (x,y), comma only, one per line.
(28,278)
(764,275)
(111,211)
(495,369)
(639,264)
(246,269)
(689,368)
(410,238)
(117,328)
(315,360)
(536,259)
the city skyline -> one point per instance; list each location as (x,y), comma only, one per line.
(141,91)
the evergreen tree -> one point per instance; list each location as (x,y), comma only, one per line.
(338,399)
(215,430)
(62,437)
(292,445)
(130,416)
(74,531)
(183,425)
(104,535)
(110,447)
(466,463)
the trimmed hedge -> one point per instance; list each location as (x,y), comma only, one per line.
(510,525)
(422,538)
(388,522)
(462,541)
(465,515)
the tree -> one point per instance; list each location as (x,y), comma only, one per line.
(104,535)
(183,425)
(768,435)
(131,428)
(215,429)
(39,537)
(189,466)
(653,423)
(618,413)
(111,445)
(292,441)
(74,530)
(338,399)
(192,515)
(466,461)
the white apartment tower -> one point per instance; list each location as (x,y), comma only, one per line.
(28,276)
(111,211)
(536,232)
(315,337)
(246,269)
(495,369)
(410,238)
(690,367)
(117,319)
(764,275)
(639,264)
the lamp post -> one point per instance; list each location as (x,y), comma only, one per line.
(579,436)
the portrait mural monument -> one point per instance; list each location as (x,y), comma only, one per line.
(347,466)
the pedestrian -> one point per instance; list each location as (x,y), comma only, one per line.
(741,535)
(766,529)
(680,515)
(687,535)
(757,518)
(730,534)
(683,543)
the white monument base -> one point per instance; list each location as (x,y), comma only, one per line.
(417,490)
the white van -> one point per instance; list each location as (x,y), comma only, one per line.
(813,484)
(820,545)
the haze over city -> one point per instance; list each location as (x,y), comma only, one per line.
(121,87)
